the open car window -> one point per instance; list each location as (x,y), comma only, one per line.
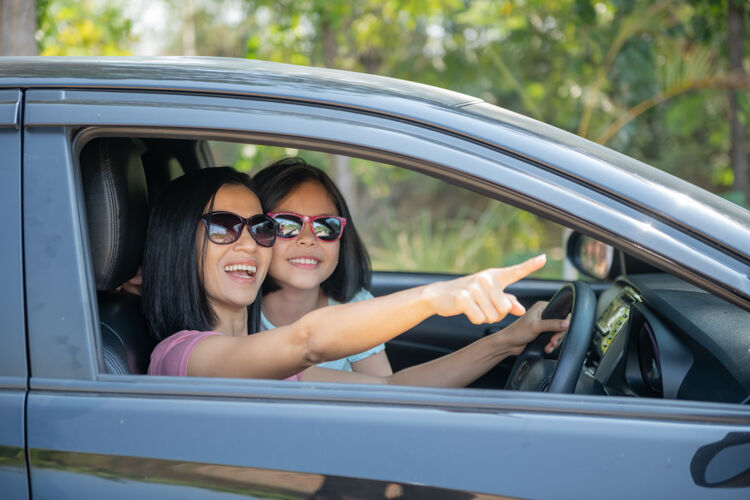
(651,334)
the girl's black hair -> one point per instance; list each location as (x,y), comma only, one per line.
(174,297)
(353,271)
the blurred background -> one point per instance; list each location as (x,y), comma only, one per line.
(662,81)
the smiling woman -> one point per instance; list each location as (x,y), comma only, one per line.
(173,305)
(220,265)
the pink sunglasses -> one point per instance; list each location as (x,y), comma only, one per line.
(326,228)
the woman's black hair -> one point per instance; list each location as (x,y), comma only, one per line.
(353,271)
(174,297)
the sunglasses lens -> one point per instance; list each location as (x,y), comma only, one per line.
(263,230)
(289,225)
(223,228)
(327,228)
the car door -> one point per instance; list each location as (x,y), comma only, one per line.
(120,436)
(13,369)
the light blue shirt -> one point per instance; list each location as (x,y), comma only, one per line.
(343,363)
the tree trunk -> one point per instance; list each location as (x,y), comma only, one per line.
(189,46)
(738,153)
(18,28)
(341,173)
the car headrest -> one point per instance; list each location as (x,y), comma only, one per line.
(114,185)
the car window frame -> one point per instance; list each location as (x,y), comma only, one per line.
(14,371)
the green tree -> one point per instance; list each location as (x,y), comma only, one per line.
(738,152)
(620,72)
(83,27)
(208,27)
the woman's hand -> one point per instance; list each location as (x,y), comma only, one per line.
(480,296)
(528,327)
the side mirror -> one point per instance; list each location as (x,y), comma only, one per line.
(591,257)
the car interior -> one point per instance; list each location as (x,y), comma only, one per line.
(650,334)
(116,192)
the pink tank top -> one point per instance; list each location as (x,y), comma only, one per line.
(171,355)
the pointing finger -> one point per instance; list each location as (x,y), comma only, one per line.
(508,275)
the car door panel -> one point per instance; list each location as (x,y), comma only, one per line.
(13,472)
(13,369)
(125,477)
(498,450)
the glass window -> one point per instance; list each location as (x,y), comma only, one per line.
(412,222)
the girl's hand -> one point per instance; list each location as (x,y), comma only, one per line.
(134,285)
(480,296)
(530,325)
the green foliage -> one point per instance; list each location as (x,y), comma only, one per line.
(468,240)
(610,70)
(207,27)
(85,27)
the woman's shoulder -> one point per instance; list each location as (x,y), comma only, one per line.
(170,356)
(184,335)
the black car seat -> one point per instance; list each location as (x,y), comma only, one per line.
(116,195)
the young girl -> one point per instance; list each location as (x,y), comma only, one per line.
(317,261)
(208,248)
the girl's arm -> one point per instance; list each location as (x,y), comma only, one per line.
(376,364)
(334,332)
(464,366)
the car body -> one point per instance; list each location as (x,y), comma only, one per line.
(72,429)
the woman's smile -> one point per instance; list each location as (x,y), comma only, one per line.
(242,271)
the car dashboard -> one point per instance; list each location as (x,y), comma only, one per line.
(657,336)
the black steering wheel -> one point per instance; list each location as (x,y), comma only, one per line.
(535,370)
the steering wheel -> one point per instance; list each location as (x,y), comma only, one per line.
(534,370)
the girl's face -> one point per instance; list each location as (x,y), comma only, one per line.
(305,262)
(233,273)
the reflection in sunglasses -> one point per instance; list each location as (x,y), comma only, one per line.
(327,228)
(224,228)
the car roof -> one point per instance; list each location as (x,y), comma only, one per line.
(220,75)
(718,222)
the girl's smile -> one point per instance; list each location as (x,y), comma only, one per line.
(304,262)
